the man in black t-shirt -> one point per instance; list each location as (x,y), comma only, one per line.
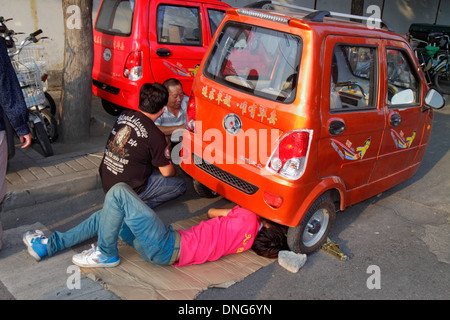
(136,147)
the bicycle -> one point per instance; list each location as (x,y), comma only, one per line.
(436,69)
(27,61)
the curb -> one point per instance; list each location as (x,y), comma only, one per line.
(51,189)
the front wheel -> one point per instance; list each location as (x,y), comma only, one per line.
(42,138)
(442,80)
(314,228)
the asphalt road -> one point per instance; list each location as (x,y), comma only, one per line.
(397,242)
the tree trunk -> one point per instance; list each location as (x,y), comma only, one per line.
(75,105)
(357,8)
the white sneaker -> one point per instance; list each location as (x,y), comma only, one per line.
(93,258)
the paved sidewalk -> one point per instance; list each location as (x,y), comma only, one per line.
(32,178)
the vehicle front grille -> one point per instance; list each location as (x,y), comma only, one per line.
(224,176)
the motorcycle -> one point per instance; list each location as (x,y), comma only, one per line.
(29,65)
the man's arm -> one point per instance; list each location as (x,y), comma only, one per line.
(214,212)
(168,171)
(168,130)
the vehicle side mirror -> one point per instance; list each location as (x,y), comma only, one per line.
(434,99)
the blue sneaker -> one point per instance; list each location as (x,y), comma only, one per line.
(36,248)
(93,258)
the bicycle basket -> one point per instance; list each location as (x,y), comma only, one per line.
(29,78)
(35,52)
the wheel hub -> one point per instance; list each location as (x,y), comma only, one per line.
(314,226)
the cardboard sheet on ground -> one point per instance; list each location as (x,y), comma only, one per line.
(136,279)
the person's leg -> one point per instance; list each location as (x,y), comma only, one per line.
(126,214)
(161,189)
(39,246)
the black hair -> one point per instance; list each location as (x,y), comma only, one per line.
(269,241)
(152,97)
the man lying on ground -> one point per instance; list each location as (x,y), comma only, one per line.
(126,216)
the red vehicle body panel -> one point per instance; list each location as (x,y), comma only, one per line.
(111,51)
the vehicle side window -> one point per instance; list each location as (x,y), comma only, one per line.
(215,18)
(179,25)
(116,17)
(403,83)
(353,78)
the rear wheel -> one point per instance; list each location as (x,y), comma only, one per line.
(314,228)
(442,81)
(112,108)
(42,138)
(51,125)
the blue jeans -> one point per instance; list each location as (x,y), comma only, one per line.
(124,214)
(161,189)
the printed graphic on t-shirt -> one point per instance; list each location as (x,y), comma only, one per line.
(117,150)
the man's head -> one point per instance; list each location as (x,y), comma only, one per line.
(153,97)
(176,94)
(270,240)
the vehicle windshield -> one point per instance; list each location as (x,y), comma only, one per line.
(259,61)
(116,17)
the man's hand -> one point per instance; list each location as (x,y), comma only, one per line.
(25,140)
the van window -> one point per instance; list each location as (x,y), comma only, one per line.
(116,17)
(403,83)
(179,25)
(263,62)
(353,78)
(215,18)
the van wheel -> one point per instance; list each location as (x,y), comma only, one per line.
(203,191)
(314,228)
(112,108)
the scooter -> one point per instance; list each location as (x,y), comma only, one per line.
(30,69)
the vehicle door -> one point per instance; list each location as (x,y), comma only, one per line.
(352,119)
(180,41)
(405,119)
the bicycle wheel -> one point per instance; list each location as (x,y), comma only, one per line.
(442,80)
(51,125)
(50,103)
(42,138)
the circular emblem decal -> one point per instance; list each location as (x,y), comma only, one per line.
(232,123)
(107,54)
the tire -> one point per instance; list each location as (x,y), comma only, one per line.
(112,108)
(51,125)
(50,103)
(42,138)
(203,191)
(314,228)
(442,80)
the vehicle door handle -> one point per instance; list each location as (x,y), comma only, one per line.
(336,127)
(395,120)
(163,52)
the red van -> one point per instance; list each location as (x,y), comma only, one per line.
(136,42)
(297,116)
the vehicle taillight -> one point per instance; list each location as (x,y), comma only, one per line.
(133,66)
(190,114)
(289,158)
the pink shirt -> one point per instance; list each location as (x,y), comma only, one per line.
(214,238)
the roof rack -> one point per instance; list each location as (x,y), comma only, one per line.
(318,15)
